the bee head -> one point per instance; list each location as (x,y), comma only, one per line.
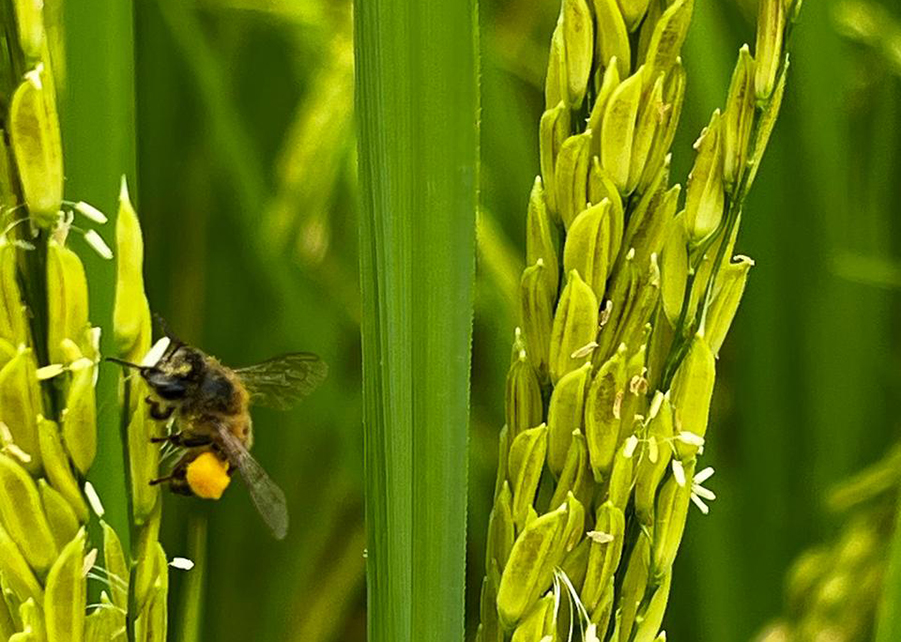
(175,375)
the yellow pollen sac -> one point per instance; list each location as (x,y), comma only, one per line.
(208,476)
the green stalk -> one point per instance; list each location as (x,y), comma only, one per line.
(417,108)
(98,125)
(240,158)
(888,624)
(191,616)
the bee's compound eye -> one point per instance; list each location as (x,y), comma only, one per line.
(171,391)
(208,476)
(166,386)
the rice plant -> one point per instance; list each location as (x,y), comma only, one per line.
(626,299)
(845,589)
(51,356)
(267,133)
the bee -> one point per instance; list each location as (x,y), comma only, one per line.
(210,404)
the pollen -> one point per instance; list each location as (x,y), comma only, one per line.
(208,476)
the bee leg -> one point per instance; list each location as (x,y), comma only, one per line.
(160,480)
(161,415)
(157,411)
(176,482)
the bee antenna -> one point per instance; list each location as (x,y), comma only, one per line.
(164,326)
(122,362)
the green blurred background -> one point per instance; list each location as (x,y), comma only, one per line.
(245,183)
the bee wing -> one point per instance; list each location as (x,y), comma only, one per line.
(282,381)
(266,495)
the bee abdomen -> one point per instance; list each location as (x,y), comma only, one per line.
(243,430)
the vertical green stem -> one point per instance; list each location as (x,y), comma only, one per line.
(98,126)
(888,624)
(190,618)
(418,151)
(132,530)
